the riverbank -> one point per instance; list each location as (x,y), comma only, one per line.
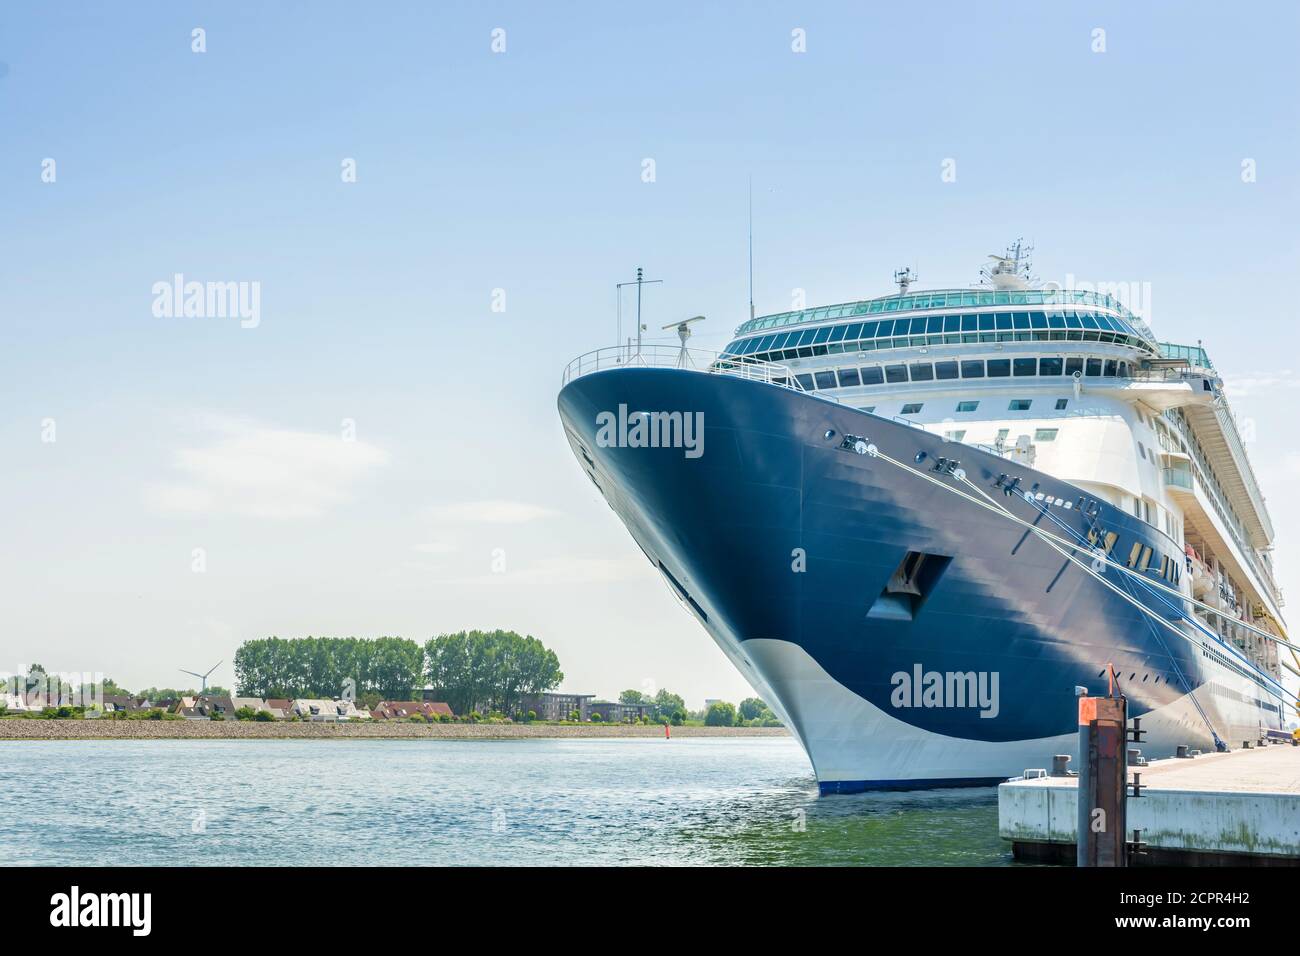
(298,730)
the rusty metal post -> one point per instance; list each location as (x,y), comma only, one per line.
(1103,781)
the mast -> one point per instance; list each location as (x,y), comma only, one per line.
(751,247)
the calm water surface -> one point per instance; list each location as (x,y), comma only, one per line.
(293,802)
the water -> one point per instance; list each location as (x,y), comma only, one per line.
(740,801)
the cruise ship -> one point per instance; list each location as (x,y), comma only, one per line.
(922,524)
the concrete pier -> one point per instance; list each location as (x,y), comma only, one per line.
(1237,809)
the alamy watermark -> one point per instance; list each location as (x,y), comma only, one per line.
(208,300)
(651,430)
(1133,295)
(947,689)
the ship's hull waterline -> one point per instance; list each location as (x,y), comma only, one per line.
(783,544)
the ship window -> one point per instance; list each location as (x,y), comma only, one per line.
(1046,434)
(1134,553)
(972,369)
(934,324)
(1089,322)
(968,323)
(922,372)
(869,329)
(806,381)
(967,406)
(1142,451)
(1020,404)
(1094,367)
(872,375)
(895,373)
(1021,320)
(854,333)
(825,379)
(999,368)
(821,335)
(1025,366)
(1050,366)
(1110,368)
(849,377)
(1002,435)
(986,323)
(868,408)
(1145,559)
(952,323)
(911,408)
(945,370)
(837,333)
(1061,403)
(958,435)
(1109,544)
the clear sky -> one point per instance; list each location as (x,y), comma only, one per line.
(523,171)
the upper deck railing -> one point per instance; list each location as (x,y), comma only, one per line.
(668,356)
(947,299)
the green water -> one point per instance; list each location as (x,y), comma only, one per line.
(689,801)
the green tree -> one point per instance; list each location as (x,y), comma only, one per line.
(669,708)
(489,670)
(389,667)
(752,708)
(633,697)
(720,714)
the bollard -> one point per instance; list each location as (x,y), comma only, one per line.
(1103,781)
(1060,765)
(1181,752)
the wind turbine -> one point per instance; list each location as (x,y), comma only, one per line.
(202,677)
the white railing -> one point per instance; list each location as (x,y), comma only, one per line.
(670,356)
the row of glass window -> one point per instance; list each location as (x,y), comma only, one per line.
(938,330)
(933,300)
(1015,405)
(852,377)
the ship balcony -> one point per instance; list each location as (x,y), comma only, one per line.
(1203,518)
(1179,478)
(683,359)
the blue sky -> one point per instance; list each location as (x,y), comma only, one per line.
(521,171)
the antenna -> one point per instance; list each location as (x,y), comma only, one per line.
(684,332)
(751,246)
(639,281)
(202,677)
(904,278)
(1011,270)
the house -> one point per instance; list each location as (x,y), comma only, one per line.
(111,703)
(253,703)
(402,709)
(321,709)
(614,712)
(209,708)
(555,706)
(280,708)
(13,702)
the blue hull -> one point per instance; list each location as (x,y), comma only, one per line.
(726,528)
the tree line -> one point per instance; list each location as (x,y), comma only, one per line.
(471,670)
